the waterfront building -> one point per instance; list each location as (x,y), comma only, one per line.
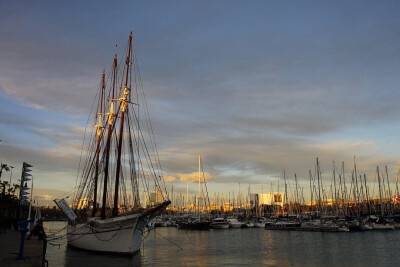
(271,198)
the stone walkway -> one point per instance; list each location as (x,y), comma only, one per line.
(9,243)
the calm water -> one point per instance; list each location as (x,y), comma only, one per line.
(234,247)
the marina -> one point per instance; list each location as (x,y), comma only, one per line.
(199,133)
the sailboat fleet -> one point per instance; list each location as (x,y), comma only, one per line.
(342,207)
(347,209)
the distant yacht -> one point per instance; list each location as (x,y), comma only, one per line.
(234,223)
(219,223)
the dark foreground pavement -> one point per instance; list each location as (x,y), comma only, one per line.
(9,243)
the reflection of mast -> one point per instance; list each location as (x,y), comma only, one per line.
(108,142)
(124,104)
(99,131)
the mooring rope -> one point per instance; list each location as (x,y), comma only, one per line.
(168,240)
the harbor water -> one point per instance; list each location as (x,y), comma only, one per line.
(170,246)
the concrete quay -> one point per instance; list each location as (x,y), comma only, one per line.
(9,244)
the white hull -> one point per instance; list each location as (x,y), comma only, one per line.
(220,226)
(260,225)
(119,235)
(250,225)
(122,235)
(234,223)
(378,226)
(366,227)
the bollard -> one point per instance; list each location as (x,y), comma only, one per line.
(23,229)
(45,263)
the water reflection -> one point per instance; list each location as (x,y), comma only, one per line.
(233,247)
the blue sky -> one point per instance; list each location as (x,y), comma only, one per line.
(252,86)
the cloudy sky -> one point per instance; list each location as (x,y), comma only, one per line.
(252,86)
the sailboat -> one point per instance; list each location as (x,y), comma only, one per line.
(121,163)
(198,222)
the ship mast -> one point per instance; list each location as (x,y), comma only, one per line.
(98,132)
(123,104)
(286,196)
(111,115)
(199,188)
(380,192)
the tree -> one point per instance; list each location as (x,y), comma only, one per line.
(4,167)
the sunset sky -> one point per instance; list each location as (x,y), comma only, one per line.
(252,86)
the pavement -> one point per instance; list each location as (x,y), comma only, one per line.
(9,243)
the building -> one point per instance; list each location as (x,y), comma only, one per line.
(83,203)
(159,197)
(271,198)
(151,199)
(154,198)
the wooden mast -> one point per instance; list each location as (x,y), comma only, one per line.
(108,143)
(367,194)
(298,207)
(99,131)
(199,188)
(124,104)
(380,192)
(319,189)
(357,197)
(344,191)
(311,190)
(334,185)
(286,196)
(389,191)
(397,178)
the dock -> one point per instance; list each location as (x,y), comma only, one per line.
(9,246)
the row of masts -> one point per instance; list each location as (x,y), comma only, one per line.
(337,199)
(356,200)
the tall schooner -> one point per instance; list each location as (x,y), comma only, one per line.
(119,168)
